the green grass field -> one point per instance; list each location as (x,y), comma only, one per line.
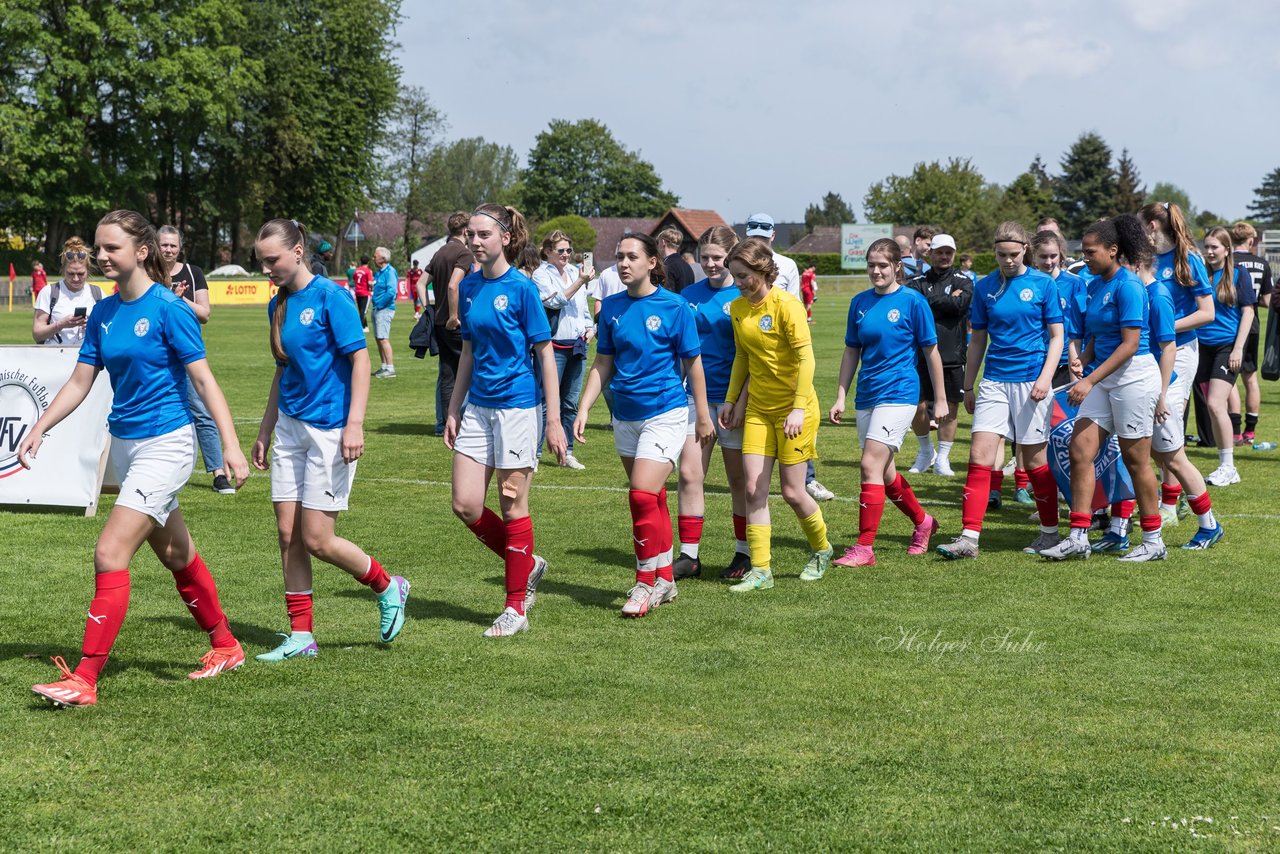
(1086,705)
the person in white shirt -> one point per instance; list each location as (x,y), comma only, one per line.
(562,287)
(62,309)
(760,225)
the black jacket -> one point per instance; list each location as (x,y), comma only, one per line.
(949,293)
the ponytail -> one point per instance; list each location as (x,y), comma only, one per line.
(511,222)
(291,235)
(1173,225)
(142,233)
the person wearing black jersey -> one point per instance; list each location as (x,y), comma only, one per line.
(949,292)
(1245,238)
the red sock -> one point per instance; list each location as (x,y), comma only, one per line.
(870,509)
(977,488)
(106,614)
(1150,523)
(690,529)
(1021,479)
(490,531)
(1123,509)
(376,578)
(1169,493)
(1200,504)
(298,605)
(519,560)
(1045,490)
(997,479)
(664,538)
(645,534)
(1080,520)
(200,595)
(904,498)
(739,527)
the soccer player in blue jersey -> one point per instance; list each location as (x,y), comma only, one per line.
(492,425)
(148,340)
(1222,344)
(1011,309)
(710,300)
(316,410)
(1119,392)
(645,336)
(1178,262)
(1048,250)
(886,328)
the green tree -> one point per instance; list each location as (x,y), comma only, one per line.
(409,143)
(1026,201)
(466,173)
(579,168)
(1266,199)
(1086,190)
(1165,192)
(581,234)
(953,196)
(1130,194)
(1206,219)
(834,210)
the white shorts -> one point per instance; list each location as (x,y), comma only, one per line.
(660,438)
(731,439)
(1008,410)
(887,423)
(307,466)
(1124,403)
(1169,436)
(499,438)
(153,471)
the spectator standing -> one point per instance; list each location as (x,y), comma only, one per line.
(320,260)
(385,283)
(39,280)
(679,273)
(915,264)
(1245,237)
(61,311)
(966,267)
(445,272)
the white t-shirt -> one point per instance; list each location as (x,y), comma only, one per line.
(788,275)
(606,284)
(68,302)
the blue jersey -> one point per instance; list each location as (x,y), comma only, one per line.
(1114,305)
(715,334)
(889,329)
(1184,298)
(145,346)
(1226,320)
(502,318)
(1073,298)
(647,338)
(1160,317)
(321,330)
(1015,315)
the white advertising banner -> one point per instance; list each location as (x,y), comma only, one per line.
(68,470)
(854,240)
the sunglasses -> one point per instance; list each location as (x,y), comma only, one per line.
(767,226)
(75,256)
(564,251)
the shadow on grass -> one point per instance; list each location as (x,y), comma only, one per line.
(165,670)
(418,608)
(592,597)
(246,633)
(403,429)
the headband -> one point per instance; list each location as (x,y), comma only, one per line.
(492,217)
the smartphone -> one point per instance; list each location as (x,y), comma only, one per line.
(81,311)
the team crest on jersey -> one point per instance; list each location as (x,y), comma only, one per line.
(726,309)
(308,315)
(500,302)
(766,322)
(1026,295)
(1062,303)
(1106,298)
(142,327)
(653,323)
(893,315)
(1166,273)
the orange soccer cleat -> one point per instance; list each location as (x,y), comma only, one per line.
(217,661)
(69,692)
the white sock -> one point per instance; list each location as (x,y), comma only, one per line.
(690,549)
(1173,506)
(1152,538)
(742,548)
(1118,526)
(926,443)
(384,366)
(1207,520)
(973,535)
(944,450)
(1080,535)
(1227,457)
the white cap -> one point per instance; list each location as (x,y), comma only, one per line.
(759,225)
(941,240)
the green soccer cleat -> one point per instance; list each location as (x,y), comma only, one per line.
(296,645)
(756,579)
(819,563)
(391,608)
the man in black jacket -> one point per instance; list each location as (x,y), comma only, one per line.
(949,293)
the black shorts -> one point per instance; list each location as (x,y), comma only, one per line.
(1214,364)
(952,383)
(1249,360)
(1062,376)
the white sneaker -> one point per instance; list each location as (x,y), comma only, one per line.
(571,462)
(1011,466)
(818,492)
(663,592)
(924,461)
(508,623)
(1223,476)
(1145,552)
(942,467)
(1068,548)
(637,604)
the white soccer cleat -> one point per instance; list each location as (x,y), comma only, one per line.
(1144,552)
(508,624)
(663,592)
(1223,476)
(1068,548)
(637,604)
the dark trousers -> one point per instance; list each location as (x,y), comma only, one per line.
(450,343)
(362,305)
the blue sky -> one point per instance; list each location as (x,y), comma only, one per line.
(766,106)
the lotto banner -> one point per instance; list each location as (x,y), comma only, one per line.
(1114,483)
(241,292)
(67,472)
